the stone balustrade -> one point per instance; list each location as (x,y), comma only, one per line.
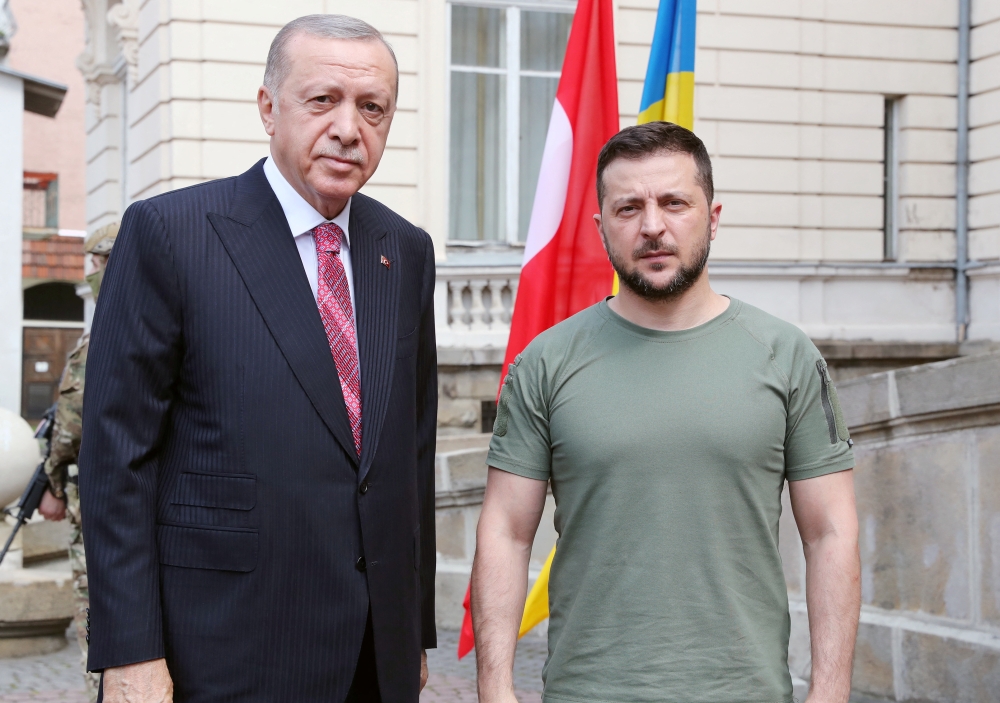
(473,305)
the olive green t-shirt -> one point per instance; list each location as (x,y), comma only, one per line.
(667,453)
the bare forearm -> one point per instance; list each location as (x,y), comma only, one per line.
(499,586)
(833,595)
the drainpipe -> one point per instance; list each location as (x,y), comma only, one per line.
(962,176)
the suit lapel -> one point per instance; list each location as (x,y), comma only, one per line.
(376,293)
(255,233)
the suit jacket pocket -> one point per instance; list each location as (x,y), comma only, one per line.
(407,346)
(231,491)
(201,548)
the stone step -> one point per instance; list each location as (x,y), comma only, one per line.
(36,607)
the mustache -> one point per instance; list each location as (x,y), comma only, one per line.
(335,150)
(654,246)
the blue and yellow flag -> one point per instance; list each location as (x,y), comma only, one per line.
(668,94)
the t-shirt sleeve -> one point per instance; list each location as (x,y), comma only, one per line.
(520,443)
(816,438)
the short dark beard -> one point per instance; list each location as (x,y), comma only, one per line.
(676,286)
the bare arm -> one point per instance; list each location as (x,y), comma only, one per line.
(512,508)
(828,523)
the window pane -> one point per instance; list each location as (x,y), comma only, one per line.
(543,40)
(478,36)
(537,96)
(477,157)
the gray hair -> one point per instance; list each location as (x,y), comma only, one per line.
(326,26)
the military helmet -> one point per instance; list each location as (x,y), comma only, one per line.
(101,241)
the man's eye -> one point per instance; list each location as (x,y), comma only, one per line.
(372,107)
(322,99)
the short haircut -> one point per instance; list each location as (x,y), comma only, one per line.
(644,140)
(326,26)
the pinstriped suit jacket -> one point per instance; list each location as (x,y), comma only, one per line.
(226,508)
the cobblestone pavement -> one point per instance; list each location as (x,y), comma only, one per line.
(454,681)
(54,678)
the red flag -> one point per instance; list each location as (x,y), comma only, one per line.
(565,267)
(466,639)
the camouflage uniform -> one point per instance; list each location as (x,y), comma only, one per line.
(61,467)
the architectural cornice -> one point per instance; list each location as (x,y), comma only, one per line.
(124,18)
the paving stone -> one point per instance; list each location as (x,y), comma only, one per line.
(55,677)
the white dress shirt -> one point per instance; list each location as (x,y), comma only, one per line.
(302,218)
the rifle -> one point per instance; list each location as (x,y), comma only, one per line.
(39,483)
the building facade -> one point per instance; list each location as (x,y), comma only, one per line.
(44,200)
(833,126)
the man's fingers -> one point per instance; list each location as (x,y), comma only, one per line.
(52,508)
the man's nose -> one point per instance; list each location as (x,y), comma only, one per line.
(345,124)
(653,222)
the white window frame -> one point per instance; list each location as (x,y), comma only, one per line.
(513,73)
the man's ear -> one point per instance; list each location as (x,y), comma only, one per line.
(714,214)
(599,221)
(267,108)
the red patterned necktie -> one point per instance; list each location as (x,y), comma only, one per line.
(334,300)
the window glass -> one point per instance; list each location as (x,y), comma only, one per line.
(478,160)
(543,40)
(478,36)
(491,149)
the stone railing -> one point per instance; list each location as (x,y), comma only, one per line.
(473,305)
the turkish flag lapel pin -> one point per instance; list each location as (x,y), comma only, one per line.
(384,261)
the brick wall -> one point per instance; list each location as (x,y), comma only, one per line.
(55,258)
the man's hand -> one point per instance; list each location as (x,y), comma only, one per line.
(52,508)
(423,669)
(145,682)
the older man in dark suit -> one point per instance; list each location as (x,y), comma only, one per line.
(257,462)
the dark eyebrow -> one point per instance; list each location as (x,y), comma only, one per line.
(672,196)
(621,202)
(662,197)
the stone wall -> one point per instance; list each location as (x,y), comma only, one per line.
(467,379)
(927,443)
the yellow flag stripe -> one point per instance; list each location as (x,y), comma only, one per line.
(536,606)
(677,105)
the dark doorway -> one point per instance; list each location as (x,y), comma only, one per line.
(53,301)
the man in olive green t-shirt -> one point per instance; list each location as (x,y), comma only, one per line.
(667,419)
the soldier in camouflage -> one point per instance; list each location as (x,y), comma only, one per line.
(63,496)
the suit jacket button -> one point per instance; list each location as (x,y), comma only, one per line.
(363,488)
(360,564)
